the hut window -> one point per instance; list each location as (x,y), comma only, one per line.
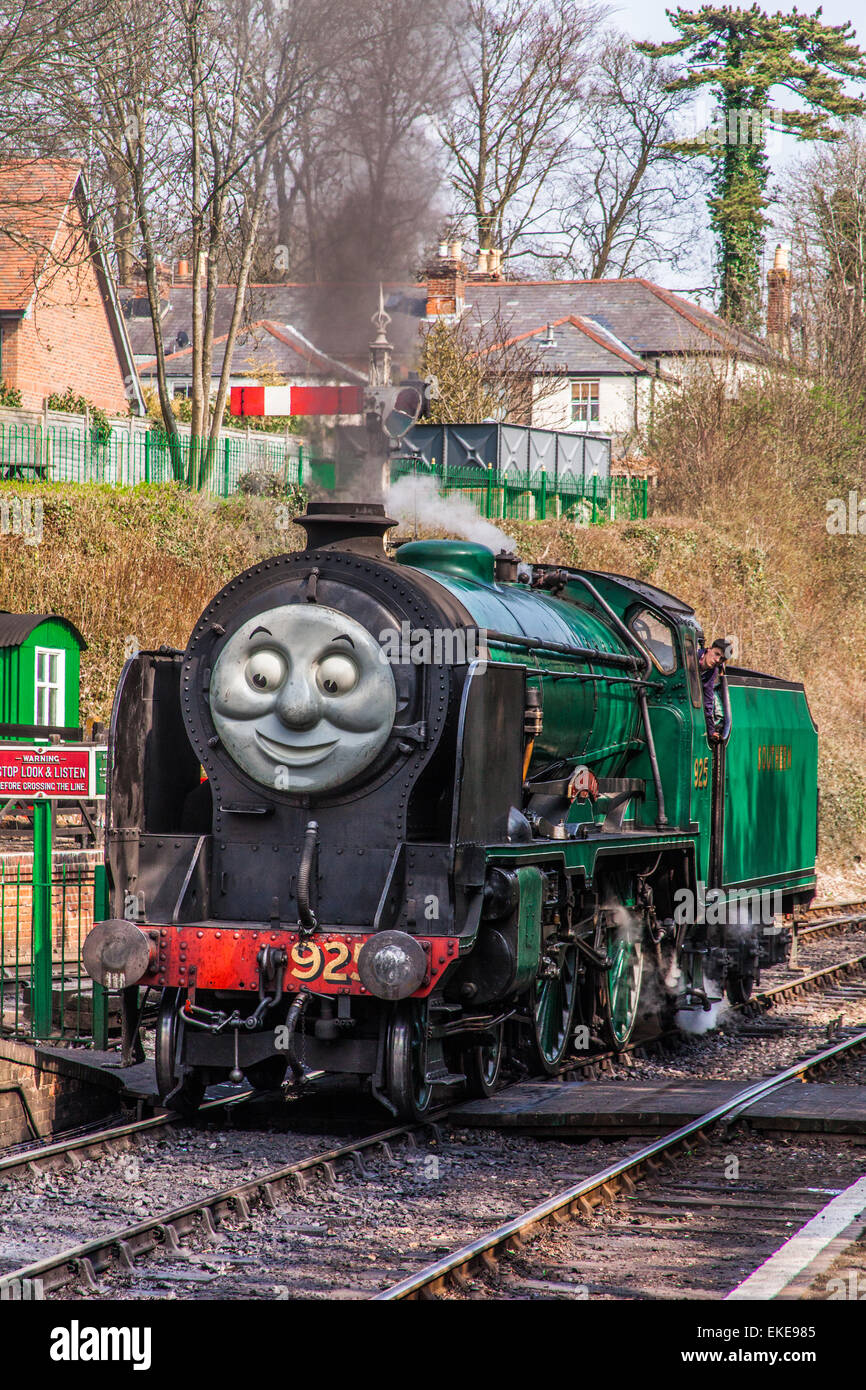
(50,673)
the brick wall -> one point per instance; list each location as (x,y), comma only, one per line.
(67,340)
(61,1094)
(72,915)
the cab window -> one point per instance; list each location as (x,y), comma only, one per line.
(657,637)
(695,688)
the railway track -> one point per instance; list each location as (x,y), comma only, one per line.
(315,1196)
(163,1232)
(489,1253)
(74,1147)
(831,919)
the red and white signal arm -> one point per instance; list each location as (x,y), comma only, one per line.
(297,400)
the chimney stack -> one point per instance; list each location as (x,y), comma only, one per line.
(164,280)
(779,302)
(446,281)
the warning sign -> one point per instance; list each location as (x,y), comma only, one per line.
(51,770)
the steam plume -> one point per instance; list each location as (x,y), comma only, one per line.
(415,499)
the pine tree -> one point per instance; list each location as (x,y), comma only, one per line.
(742,55)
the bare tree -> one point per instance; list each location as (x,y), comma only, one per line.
(32,39)
(824,202)
(187,109)
(627,201)
(520,65)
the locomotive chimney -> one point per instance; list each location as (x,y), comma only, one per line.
(356,526)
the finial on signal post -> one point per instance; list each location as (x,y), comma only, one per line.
(380,348)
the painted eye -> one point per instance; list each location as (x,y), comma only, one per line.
(265,671)
(337,675)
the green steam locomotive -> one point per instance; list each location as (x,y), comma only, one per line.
(457,812)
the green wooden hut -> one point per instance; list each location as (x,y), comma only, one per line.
(40,667)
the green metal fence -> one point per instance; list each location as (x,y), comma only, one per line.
(44,918)
(63,454)
(538,496)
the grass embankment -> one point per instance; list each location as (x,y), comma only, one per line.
(753,556)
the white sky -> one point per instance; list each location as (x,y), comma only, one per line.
(646,19)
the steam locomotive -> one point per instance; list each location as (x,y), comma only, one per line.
(405,816)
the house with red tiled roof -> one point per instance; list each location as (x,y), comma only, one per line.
(61,324)
(604,350)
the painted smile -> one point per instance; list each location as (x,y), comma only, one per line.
(301,755)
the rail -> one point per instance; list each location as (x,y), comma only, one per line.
(601,1186)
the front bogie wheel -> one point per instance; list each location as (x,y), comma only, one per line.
(180,1089)
(483,1064)
(406,1061)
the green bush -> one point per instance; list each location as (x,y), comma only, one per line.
(9,395)
(100,426)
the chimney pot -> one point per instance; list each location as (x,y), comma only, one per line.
(443,250)
(482,260)
(456,250)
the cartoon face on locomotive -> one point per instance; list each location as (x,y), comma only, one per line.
(358,826)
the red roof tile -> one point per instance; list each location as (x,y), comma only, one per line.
(33,196)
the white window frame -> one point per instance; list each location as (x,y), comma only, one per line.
(45,686)
(587,402)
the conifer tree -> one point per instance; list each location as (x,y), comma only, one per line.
(743,56)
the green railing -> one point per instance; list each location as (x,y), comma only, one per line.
(516,496)
(44,919)
(64,454)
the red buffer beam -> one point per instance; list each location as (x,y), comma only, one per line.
(297,400)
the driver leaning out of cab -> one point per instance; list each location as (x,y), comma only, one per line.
(711,663)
